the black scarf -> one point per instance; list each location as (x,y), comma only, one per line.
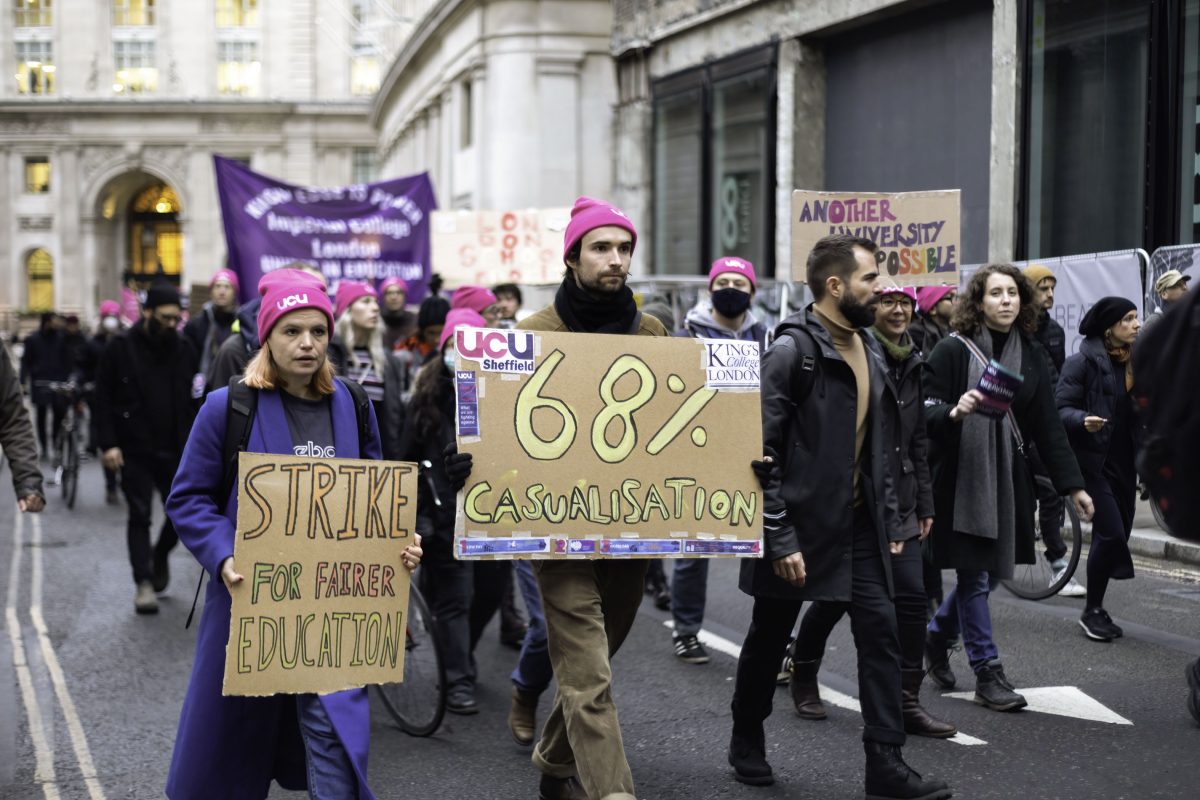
(585,312)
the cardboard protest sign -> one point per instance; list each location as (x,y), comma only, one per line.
(484,248)
(594,446)
(917,232)
(324,603)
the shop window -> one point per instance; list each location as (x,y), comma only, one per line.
(1086,152)
(35,67)
(239,71)
(136,72)
(133,12)
(237,13)
(33,13)
(37,175)
(714,139)
(466,117)
(39,280)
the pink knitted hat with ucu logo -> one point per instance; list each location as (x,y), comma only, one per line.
(283,294)
(589,214)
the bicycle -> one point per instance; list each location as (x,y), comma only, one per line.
(418,703)
(66,439)
(1037,581)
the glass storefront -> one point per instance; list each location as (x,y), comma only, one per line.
(1189,126)
(678,156)
(739,156)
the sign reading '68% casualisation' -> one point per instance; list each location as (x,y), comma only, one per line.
(600,446)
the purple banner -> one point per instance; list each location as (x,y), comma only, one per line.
(365,232)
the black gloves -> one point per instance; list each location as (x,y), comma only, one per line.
(458,466)
(766,470)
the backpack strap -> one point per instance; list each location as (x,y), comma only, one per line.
(1008,415)
(810,357)
(362,411)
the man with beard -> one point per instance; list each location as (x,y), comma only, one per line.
(830,513)
(145,402)
(399,323)
(589,605)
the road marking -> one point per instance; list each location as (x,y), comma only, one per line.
(43,772)
(1063,701)
(828,695)
(79,742)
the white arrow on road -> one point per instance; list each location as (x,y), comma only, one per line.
(1063,701)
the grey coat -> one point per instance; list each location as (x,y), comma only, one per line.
(16,432)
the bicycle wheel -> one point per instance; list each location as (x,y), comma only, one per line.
(1036,581)
(70,464)
(419,703)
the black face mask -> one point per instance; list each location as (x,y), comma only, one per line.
(730,302)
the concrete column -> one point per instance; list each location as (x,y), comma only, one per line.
(69,285)
(1002,194)
(10,289)
(510,130)
(560,151)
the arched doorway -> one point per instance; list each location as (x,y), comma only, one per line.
(138,231)
(39,280)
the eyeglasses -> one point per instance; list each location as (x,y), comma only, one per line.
(890,301)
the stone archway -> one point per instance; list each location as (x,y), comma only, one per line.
(135,227)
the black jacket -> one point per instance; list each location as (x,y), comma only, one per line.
(1051,336)
(45,358)
(908,444)
(207,331)
(1090,386)
(145,397)
(926,333)
(16,432)
(236,351)
(436,523)
(810,509)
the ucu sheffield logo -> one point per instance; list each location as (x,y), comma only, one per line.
(292,300)
(497,350)
(314,450)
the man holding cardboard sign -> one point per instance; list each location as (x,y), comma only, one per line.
(590,605)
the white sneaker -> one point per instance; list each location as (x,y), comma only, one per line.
(145,601)
(1072,588)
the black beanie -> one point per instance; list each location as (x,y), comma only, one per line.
(161,293)
(1106,313)
(433,311)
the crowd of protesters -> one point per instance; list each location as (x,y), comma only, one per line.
(882,466)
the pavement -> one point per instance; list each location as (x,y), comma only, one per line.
(90,692)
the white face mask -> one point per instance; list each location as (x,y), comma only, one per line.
(448,360)
(110,324)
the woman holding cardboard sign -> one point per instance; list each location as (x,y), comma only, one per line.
(233,747)
(983,488)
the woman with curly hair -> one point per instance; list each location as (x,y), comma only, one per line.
(983,487)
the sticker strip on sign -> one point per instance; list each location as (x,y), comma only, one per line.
(739,548)
(496,547)
(629,547)
(468,403)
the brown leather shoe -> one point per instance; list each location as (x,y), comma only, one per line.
(917,720)
(561,789)
(522,716)
(806,697)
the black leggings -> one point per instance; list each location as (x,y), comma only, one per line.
(911,613)
(1109,556)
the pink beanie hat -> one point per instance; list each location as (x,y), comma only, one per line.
(589,214)
(349,291)
(227,275)
(476,298)
(287,276)
(910,291)
(282,297)
(390,282)
(457,318)
(732,264)
(110,308)
(930,296)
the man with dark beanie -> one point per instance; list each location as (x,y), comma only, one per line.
(831,520)
(146,399)
(589,606)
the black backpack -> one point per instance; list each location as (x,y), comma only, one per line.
(1166,374)
(240,406)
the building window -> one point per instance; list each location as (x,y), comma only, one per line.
(238,68)
(363,167)
(136,72)
(155,238)
(39,280)
(37,175)
(133,12)
(1086,151)
(34,13)
(466,120)
(35,67)
(714,139)
(237,13)
(364,70)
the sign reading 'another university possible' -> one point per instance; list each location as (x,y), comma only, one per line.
(594,446)
(917,232)
(324,600)
(365,232)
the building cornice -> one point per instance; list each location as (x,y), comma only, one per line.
(429,24)
(148,107)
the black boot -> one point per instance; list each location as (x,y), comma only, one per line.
(806,696)
(748,757)
(560,789)
(917,720)
(993,690)
(889,778)
(937,660)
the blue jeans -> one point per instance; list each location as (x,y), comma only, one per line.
(331,776)
(533,671)
(965,610)
(689,590)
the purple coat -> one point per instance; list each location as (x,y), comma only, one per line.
(232,747)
